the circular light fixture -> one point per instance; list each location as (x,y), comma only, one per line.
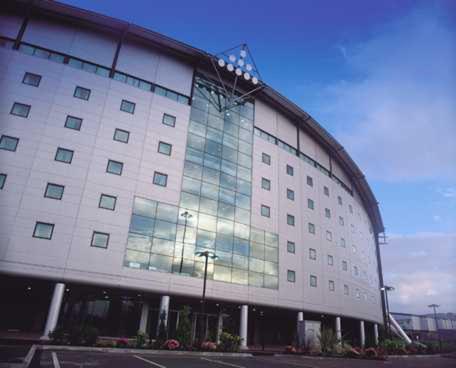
(232,58)
(221,63)
(243,53)
(246,76)
(249,67)
(230,67)
(240,62)
(255,80)
(238,71)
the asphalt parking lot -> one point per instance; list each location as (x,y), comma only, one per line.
(71,359)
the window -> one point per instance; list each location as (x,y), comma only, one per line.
(327,213)
(64,155)
(354,248)
(73,122)
(355,270)
(291,276)
(31,79)
(290,220)
(341,221)
(339,200)
(127,106)
(169,120)
(290,194)
(265,158)
(290,170)
(82,93)
(114,167)
(358,294)
(99,240)
(346,290)
(329,235)
(330,259)
(350,208)
(310,204)
(265,211)
(331,285)
(313,281)
(160,179)
(107,202)
(326,191)
(121,135)
(311,228)
(312,254)
(43,230)
(20,109)
(164,148)
(8,143)
(2,180)
(342,242)
(310,181)
(54,191)
(291,247)
(344,266)
(265,184)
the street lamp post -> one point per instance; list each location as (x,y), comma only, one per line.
(206,254)
(434,307)
(385,289)
(187,215)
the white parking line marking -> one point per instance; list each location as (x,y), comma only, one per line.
(224,363)
(150,361)
(55,360)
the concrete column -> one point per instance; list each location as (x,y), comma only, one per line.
(338,330)
(300,316)
(362,334)
(376,334)
(243,325)
(219,326)
(144,318)
(54,310)
(164,307)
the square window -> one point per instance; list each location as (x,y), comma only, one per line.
(311,228)
(329,235)
(160,179)
(327,213)
(31,79)
(326,191)
(310,204)
(339,200)
(312,254)
(331,285)
(265,158)
(121,135)
(43,230)
(290,170)
(73,122)
(64,155)
(291,247)
(330,260)
(290,220)
(310,181)
(164,148)
(99,240)
(107,202)
(265,211)
(8,143)
(20,109)
(350,208)
(342,242)
(313,281)
(291,276)
(169,120)
(265,184)
(2,180)
(127,106)
(355,270)
(290,194)
(114,167)
(82,93)
(341,221)
(346,290)
(344,266)
(54,191)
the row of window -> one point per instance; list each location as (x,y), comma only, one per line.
(313,282)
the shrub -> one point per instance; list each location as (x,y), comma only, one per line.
(141,339)
(171,344)
(230,343)
(184,329)
(371,353)
(394,346)
(122,342)
(89,335)
(58,336)
(209,346)
(328,340)
(290,349)
(75,335)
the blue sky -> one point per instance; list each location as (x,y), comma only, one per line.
(381,77)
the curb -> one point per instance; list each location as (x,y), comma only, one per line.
(415,356)
(29,357)
(141,351)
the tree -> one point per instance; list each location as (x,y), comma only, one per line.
(184,329)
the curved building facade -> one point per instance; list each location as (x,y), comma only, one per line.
(118,167)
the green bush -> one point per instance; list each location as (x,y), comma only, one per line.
(184,329)
(393,346)
(328,341)
(229,343)
(58,336)
(76,335)
(141,339)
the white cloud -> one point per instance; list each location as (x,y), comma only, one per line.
(449,192)
(398,119)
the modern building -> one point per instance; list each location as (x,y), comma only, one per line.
(123,153)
